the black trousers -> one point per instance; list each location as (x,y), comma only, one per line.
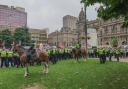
(102,58)
(3,62)
(117,56)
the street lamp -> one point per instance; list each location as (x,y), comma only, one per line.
(57,37)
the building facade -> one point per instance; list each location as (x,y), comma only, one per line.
(39,35)
(91,32)
(107,30)
(12,17)
(69,22)
(62,38)
(73,32)
(112,28)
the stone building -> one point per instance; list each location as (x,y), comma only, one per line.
(91,31)
(64,38)
(73,32)
(107,30)
(39,35)
(69,22)
(112,28)
(66,35)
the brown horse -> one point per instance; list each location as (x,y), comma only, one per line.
(25,60)
(78,53)
(83,53)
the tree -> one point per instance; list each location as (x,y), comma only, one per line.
(22,35)
(114,42)
(7,37)
(111,9)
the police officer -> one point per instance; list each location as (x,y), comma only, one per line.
(10,57)
(117,54)
(16,58)
(126,52)
(53,56)
(3,58)
(102,56)
(110,53)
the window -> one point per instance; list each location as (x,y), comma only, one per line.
(106,30)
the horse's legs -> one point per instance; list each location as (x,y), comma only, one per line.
(78,59)
(26,70)
(45,67)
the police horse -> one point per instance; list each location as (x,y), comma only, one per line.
(43,57)
(78,53)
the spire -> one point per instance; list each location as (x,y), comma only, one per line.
(81,15)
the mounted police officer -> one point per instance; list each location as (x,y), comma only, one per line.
(78,46)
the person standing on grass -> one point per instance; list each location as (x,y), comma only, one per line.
(10,58)
(3,58)
(117,54)
(110,53)
(102,56)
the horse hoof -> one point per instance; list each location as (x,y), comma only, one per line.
(26,75)
(45,74)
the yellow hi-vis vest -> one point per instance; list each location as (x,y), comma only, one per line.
(10,54)
(3,53)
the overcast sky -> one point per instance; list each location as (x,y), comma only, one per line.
(49,13)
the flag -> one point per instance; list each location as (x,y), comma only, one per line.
(61,45)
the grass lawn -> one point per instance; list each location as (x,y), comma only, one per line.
(69,75)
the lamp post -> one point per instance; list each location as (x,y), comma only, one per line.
(67,37)
(85,28)
(57,38)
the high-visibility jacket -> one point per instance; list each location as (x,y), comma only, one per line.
(101,51)
(48,51)
(117,51)
(78,46)
(9,54)
(16,54)
(3,54)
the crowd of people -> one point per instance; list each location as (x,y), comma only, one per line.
(12,58)
(9,58)
(103,53)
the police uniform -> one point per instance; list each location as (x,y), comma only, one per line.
(117,54)
(3,58)
(102,56)
(10,57)
(110,53)
(16,59)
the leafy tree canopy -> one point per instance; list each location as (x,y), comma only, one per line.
(7,37)
(22,34)
(111,9)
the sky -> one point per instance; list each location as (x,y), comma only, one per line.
(49,13)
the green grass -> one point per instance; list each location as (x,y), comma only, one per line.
(70,75)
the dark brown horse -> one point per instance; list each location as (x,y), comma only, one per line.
(78,53)
(43,57)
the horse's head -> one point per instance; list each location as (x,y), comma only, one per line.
(18,48)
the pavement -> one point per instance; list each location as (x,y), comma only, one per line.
(121,59)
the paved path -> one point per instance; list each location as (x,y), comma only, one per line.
(121,59)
